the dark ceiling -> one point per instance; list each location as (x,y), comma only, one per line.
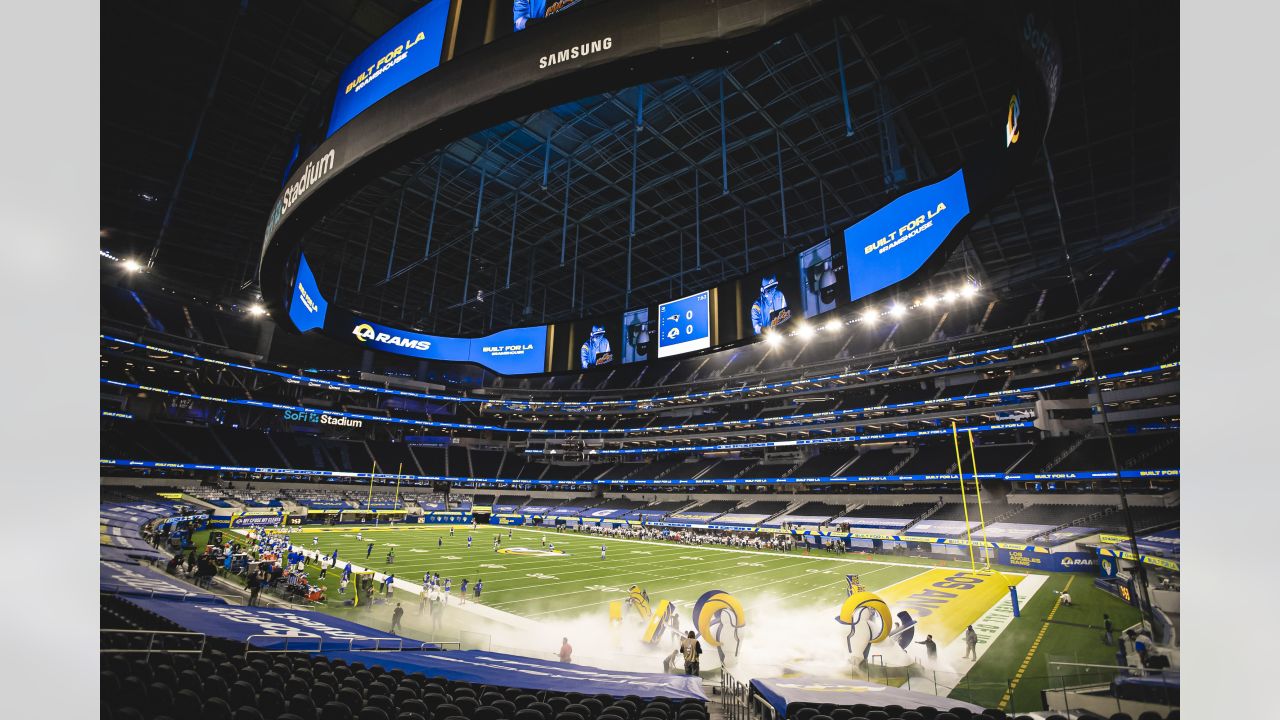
(913,93)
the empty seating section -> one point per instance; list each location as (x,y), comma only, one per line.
(393,457)
(930,459)
(458,462)
(768,469)
(879,461)
(994,458)
(431,458)
(261,686)
(886,516)
(825,464)
(810,513)
(1043,454)
(728,468)
(562,472)
(255,448)
(487,463)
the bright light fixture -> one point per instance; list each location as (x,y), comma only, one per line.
(772,337)
(929,301)
(969,290)
(256,309)
(897,310)
(870,315)
(832,325)
(131,265)
(949,296)
(804,330)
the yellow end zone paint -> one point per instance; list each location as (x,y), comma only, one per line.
(945,602)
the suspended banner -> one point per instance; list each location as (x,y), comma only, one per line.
(275,629)
(489,668)
(133,579)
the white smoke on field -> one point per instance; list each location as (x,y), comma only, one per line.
(781,636)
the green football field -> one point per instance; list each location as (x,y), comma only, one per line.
(790,600)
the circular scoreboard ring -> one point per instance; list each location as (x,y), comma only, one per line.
(631,43)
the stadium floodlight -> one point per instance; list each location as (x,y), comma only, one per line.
(968,290)
(929,301)
(804,330)
(131,265)
(257,310)
(870,315)
(773,338)
(833,325)
(949,296)
(897,310)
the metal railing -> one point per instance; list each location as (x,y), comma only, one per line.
(735,698)
(197,641)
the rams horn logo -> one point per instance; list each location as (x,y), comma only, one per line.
(709,612)
(1011,129)
(363,332)
(852,608)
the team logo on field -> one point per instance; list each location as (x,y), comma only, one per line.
(532,552)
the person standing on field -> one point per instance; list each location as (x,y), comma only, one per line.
(691,649)
(395,618)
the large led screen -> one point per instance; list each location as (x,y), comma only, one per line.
(636,335)
(684,325)
(528,13)
(307,308)
(410,49)
(822,276)
(516,351)
(890,244)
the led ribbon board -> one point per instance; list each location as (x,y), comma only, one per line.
(403,111)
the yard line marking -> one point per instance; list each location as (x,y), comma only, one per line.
(1035,644)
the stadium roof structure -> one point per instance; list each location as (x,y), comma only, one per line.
(195,149)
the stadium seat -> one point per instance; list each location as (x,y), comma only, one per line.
(446,710)
(580,709)
(373,713)
(805,713)
(414,705)
(1121,716)
(468,704)
(410,716)
(244,712)
(506,707)
(545,710)
(241,694)
(911,715)
(321,693)
(487,712)
(527,714)
(961,712)
(570,716)
(352,698)
(300,704)
(841,714)
(159,699)
(434,700)
(334,710)
(215,708)
(1150,715)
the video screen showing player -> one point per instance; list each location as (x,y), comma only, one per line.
(770,309)
(636,338)
(821,275)
(596,350)
(531,12)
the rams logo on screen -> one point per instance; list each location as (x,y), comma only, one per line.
(364,332)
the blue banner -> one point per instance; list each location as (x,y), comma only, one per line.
(781,692)
(307,307)
(889,245)
(514,671)
(274,629)
(134,579)
(408,50)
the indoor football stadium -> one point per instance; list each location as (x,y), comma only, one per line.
(665,360)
